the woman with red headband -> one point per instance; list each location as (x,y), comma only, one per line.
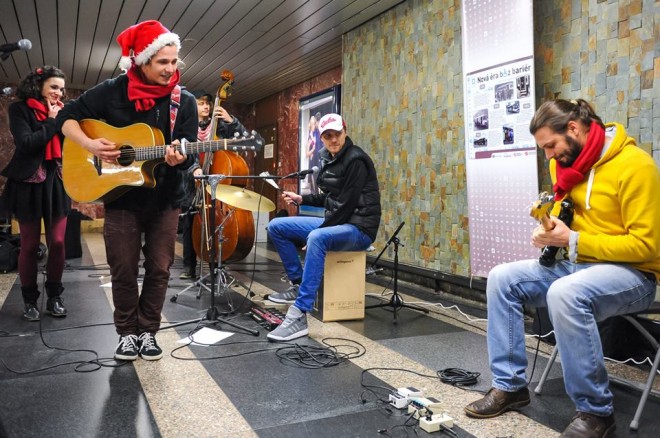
(34,187)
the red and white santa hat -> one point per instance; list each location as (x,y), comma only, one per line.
(142,41)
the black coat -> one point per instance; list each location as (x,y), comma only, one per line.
(349,189)
(108,101)
(30,138)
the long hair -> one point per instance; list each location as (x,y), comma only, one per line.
(555,114)
(31,85)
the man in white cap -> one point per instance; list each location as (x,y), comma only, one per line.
(148,93)
(351,198)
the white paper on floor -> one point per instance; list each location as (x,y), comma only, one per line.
(205,337)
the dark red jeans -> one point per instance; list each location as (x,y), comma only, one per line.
(137,312)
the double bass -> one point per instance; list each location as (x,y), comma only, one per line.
(238,231)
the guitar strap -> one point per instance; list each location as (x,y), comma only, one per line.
(175,103)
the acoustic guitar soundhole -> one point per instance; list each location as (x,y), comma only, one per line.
(127,155)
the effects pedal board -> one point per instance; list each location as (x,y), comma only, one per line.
(434,423)
(401,398)
(269,319)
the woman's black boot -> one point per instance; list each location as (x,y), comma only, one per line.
(55,305)
(30,297)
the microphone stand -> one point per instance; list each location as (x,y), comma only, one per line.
(396,302)
(212,312)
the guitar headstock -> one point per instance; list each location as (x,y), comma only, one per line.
(540,208)
(249,141)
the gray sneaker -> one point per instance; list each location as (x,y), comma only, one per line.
(287,297)
(293,327)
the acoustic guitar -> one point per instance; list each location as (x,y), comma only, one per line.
(89,179)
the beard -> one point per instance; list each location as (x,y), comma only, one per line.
(574,149)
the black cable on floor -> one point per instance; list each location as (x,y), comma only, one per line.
(303,356)
(458,377)
(81,366)
(313,357)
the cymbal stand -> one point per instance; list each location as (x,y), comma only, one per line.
(224,279)
(212,312)
(396,302)
(199,283)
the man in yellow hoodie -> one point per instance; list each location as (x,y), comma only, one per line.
(612,264)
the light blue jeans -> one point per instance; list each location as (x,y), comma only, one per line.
(287,232)
(577,296)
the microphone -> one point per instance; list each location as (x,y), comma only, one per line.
(21,45)
(306,172)
(7,48)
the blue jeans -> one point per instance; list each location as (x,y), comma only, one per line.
(577,296)
(287,232)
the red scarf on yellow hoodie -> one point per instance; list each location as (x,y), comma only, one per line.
(568,177)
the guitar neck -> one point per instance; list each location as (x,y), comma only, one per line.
(546,223)
(196,147)
(234,145)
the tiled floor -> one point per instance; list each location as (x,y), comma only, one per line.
(243,386)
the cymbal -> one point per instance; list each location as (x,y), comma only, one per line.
(241,198)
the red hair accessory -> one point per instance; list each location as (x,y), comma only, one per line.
(40,71)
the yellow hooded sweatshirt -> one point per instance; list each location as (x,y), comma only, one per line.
(617,206)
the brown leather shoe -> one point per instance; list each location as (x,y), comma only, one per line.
(586,425)
(497,402)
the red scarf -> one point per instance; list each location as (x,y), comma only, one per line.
(204,133)
(144,95)
(54,145)
(568,177)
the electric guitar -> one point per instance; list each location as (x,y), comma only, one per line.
(89,179)
(541,211)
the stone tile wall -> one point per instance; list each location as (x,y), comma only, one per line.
(402,94)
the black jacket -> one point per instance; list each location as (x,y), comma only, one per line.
(30,138)
(349,186)
(108,101)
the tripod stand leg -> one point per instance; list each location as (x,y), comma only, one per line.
(396,302)
(229,323)
(224,283)
(199,283)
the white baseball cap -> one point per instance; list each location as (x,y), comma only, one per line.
(331,121)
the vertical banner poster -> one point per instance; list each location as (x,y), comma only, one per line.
(502,175)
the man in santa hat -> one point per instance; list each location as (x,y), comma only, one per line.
(147,93)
